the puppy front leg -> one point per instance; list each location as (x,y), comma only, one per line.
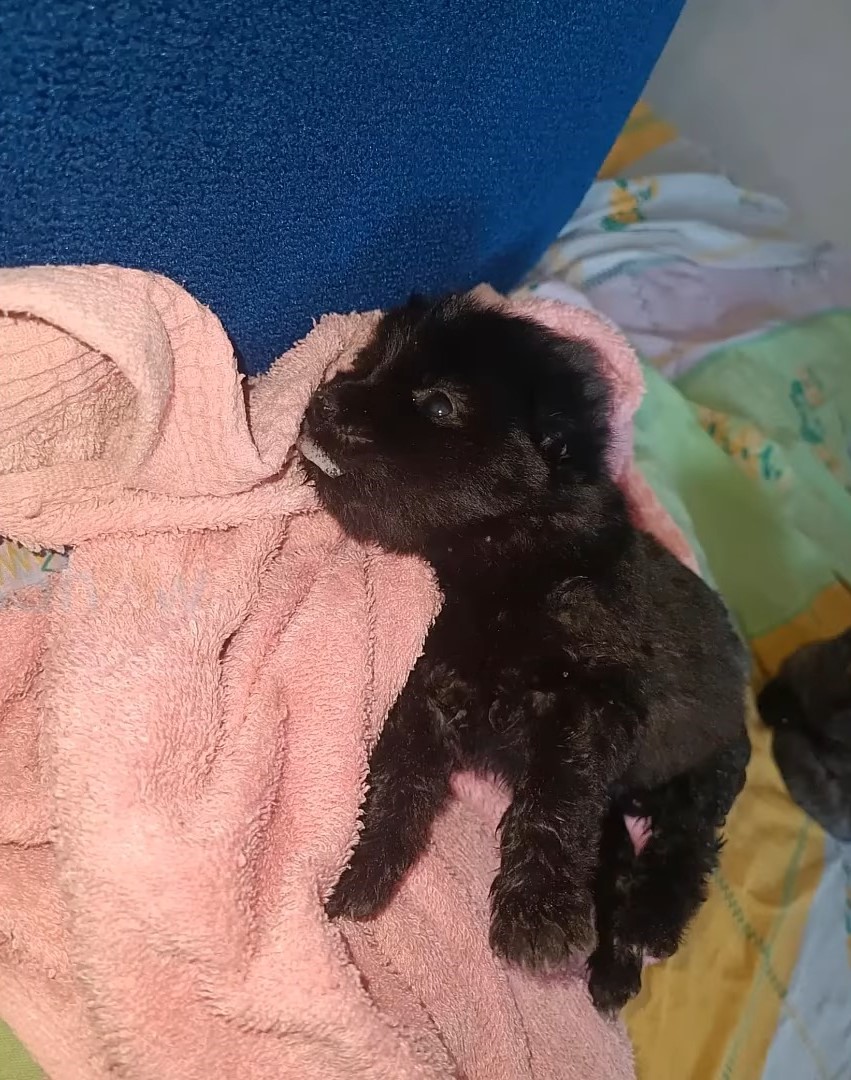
(541,899)
(409,772)
(542,906)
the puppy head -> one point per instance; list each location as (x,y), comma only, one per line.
(812,691)
(454,415)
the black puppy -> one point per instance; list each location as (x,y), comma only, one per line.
(808,706)
(574,656)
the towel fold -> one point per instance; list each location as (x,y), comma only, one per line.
(186,712)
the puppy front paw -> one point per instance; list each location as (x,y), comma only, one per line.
(541,930)
(364,888)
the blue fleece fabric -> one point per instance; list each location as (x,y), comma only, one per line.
(285,159)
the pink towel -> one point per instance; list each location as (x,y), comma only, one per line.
(186,713)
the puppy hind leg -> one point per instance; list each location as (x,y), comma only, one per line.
(614,967)
(670,878)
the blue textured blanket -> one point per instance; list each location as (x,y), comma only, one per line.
(283,159)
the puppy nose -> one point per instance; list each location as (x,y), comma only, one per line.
(323,407)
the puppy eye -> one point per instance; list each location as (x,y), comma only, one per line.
(435,405)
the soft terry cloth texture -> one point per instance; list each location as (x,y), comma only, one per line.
(284,158)
(185,717)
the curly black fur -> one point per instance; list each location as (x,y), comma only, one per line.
(574,656)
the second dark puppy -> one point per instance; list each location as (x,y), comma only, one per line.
(808,706)
(574,656)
